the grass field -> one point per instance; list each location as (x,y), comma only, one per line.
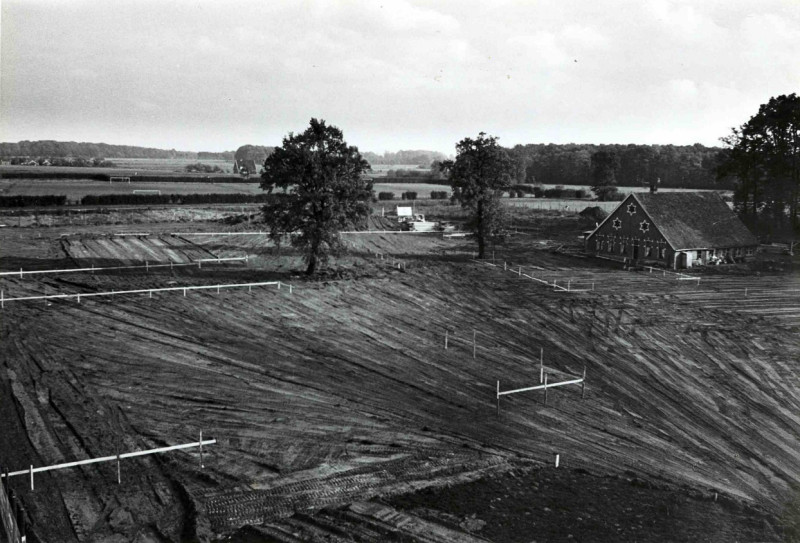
(76,189)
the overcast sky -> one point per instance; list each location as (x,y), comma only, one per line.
(392,74)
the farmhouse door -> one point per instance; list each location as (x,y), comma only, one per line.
(635,252)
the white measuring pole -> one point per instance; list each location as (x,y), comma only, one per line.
(498,398)
(541,364)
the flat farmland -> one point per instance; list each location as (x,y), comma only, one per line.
(326,399)
(76,189)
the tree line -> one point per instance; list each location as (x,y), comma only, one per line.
(679,166)
(51,148)
(418,157)
(763,159)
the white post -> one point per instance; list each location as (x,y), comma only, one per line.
(79,298)
(569,282)
(2,299)
(217,293)
(199,264)
(583,383)
(558,458)
(201,450)
(147,266)
(545,389)
(150,292)
(31,476)
(520,271)
(184,293)
(498,398)
(504,265)
(290,289)
(119,471)
(541,364)
(445,339)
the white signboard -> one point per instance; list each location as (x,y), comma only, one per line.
(404,211)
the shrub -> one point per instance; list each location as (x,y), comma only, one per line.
(608,194)
(409,195)
(538,192)
(386,196)
(26,201)
(438,195)
(580,193)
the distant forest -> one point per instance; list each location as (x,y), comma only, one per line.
(50,148)
(684,166)
(417,158)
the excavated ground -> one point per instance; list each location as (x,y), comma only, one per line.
(328,401)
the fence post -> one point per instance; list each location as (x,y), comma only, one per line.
(569,283)
(147,266)
(20,273)
(558,458)
(184,293)
(3,299)
(583,383)
(541,364)
(498,399)
(504,265)
(201,450)
(520,271)
(446,332)
(545,389)
(119,470)
(31,476)
(290,289)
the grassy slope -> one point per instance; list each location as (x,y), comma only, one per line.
(343,390)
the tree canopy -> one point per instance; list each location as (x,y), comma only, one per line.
(324,190)
(764,158)
(480,173)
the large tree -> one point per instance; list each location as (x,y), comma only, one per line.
(764,156)
(324,190)
(480,173)
(605,165)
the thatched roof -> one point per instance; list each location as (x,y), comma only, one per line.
(695,220)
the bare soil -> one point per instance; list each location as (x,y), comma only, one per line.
(329,401)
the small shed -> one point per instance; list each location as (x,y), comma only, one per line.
(673,229)
(245,166)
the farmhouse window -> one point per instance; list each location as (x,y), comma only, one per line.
(621,248)
(663,252)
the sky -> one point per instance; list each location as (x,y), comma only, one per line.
(392,74)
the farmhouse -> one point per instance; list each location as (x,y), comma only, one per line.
(674,229)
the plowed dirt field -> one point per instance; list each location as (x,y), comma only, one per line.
(328,402)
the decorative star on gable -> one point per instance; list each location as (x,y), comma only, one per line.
(617,223)
(631,209)
(644,226)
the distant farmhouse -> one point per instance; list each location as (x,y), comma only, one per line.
(244,166)
(673,229)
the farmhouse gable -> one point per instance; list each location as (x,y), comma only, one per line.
(675,229)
